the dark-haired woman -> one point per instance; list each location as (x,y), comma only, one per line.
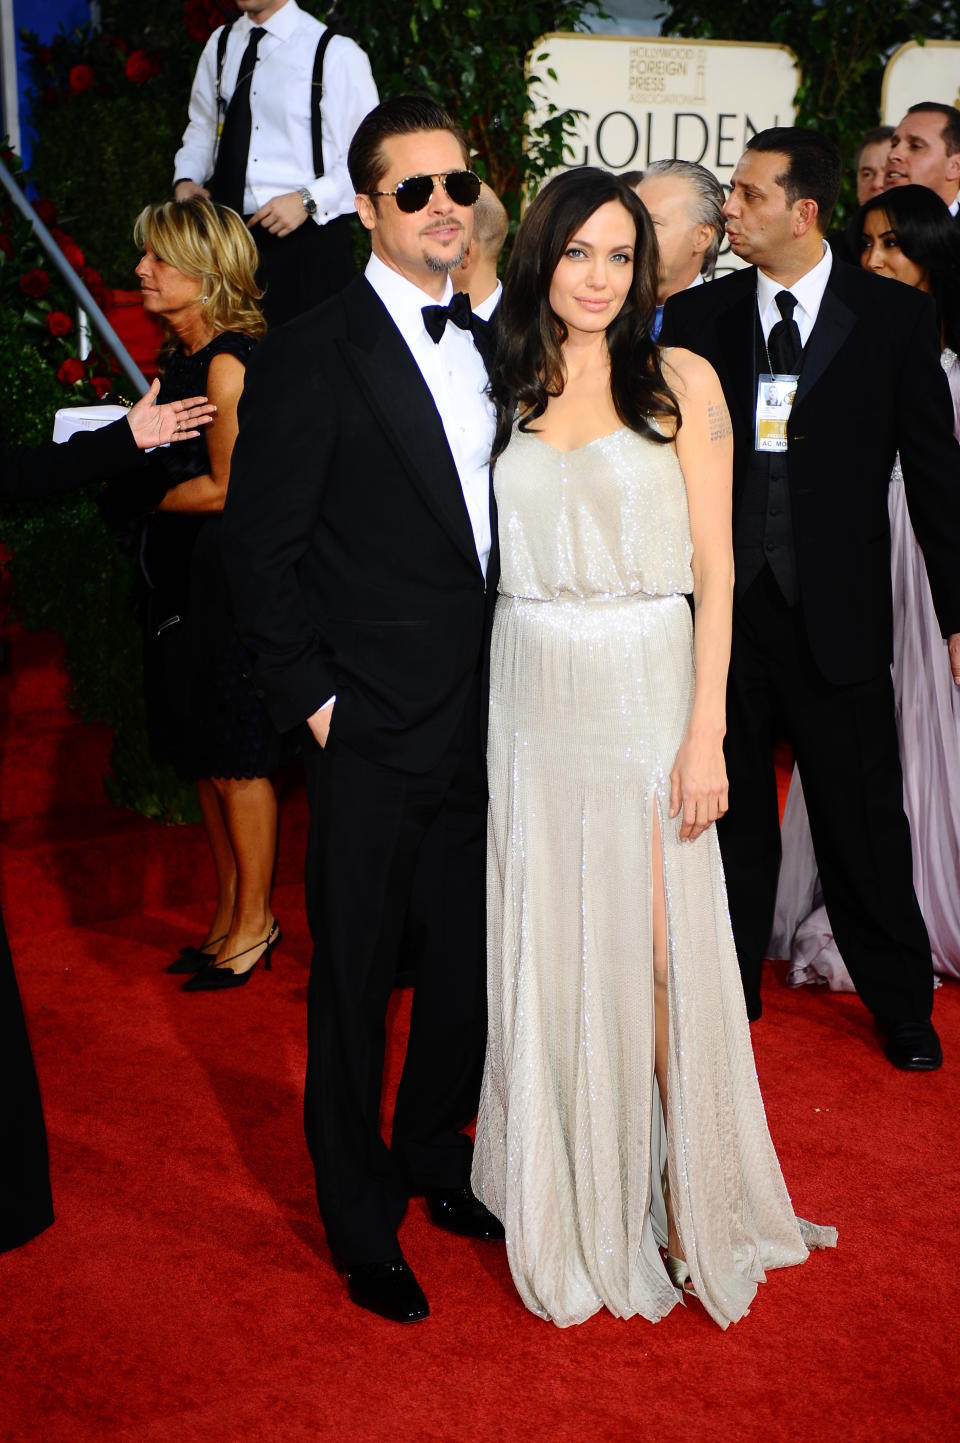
(620,1112)
(906,234)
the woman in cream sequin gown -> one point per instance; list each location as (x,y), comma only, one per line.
(612,978)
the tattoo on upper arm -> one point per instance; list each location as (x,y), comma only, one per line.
(718,418)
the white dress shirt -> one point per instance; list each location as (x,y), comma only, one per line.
(281,139)
(456,379)
(808,290)
(954,206)
(486,308)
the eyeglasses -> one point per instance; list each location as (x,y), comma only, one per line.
(462,186)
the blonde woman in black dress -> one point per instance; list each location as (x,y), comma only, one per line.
(197,275)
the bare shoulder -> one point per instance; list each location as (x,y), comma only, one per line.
(688,375)
(225,376)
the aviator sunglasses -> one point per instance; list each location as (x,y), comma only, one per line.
(462,186)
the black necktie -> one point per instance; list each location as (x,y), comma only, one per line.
(230,172)
(784,346)
(435,318)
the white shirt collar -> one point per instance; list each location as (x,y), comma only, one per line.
(697,281)
(808,290)
(402,298)
(486,308)
(954,208)
(282,22)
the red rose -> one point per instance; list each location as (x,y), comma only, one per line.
(71,371)
(58,323)
(101,384)
(6,247)
(81,79)
(35,284)
(201,17)
(46,210)
(70,248)
(44,55)
(139,67)
(94,283)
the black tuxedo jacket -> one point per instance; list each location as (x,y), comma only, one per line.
(871,384)
(346,539)
(31,473)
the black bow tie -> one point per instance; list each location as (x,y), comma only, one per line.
(458,311)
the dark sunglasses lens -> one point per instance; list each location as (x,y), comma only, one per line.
(463,187)
(413,194)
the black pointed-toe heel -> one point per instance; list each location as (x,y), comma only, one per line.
(218,977)
(192,959)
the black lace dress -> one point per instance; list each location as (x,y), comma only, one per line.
(204,713)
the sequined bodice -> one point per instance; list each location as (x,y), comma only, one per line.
(605,519)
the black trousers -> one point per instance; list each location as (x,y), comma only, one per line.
(26,1207)
(845,743)
(393,856)
(302,269)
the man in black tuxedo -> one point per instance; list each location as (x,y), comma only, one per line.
(361,551)
(812,635)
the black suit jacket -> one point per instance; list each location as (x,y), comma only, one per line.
(31,473)
(871,385)
(346,538)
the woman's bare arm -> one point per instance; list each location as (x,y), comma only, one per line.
(209,491)
(704,445)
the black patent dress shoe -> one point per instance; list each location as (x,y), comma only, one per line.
(388,1289)
(913,1046)
(457,1210)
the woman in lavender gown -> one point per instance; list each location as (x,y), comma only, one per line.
(908,235)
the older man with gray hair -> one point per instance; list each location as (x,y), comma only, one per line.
(685,201)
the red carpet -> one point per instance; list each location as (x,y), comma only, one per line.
(184,1294)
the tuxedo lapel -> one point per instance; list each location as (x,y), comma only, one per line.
(736,326)
(835,320)
(392,384)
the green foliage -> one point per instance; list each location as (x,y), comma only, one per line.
(109,109)
(842,46)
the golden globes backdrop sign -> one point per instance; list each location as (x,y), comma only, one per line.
(930,71)
(644,99)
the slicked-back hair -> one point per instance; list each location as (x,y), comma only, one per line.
(876,136)
(707,199)
(950,134)
(529,367)
(813,171)
(928,235)
(403,115)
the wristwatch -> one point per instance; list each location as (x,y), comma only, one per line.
(309,204)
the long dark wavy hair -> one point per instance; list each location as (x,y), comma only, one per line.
(928,235)
(529,366)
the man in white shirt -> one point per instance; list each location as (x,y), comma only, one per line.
(685,202)
(275,102)
(925,150)
(858,361)
(360,548)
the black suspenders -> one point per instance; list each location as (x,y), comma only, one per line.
(316,92)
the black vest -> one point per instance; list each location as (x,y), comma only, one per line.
(763,530)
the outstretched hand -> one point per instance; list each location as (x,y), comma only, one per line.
(698,786)
(953,647)
(154,425)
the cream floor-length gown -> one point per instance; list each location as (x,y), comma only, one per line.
(592,679)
